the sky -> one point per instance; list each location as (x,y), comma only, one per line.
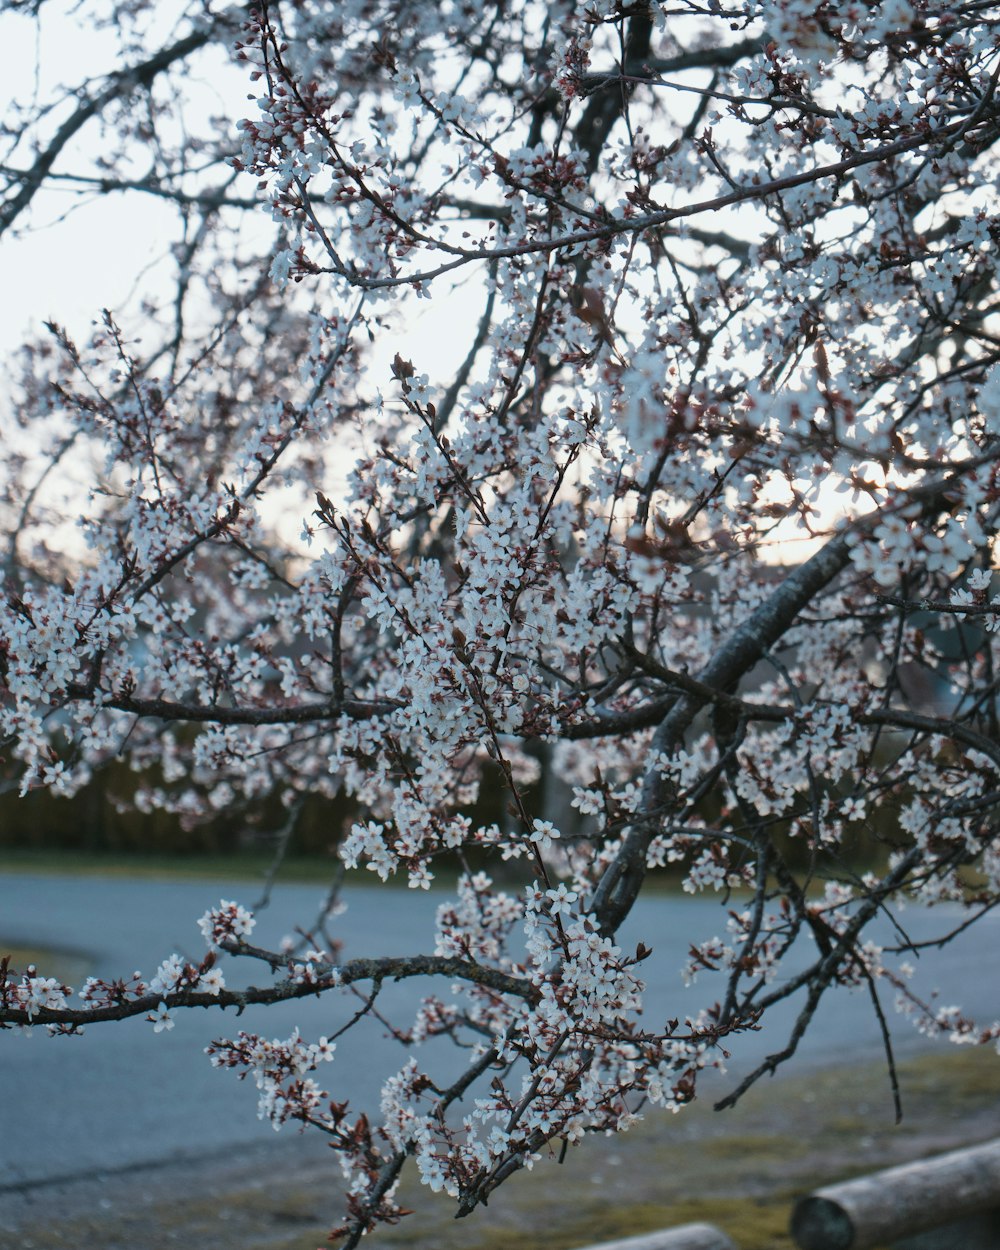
(73,256)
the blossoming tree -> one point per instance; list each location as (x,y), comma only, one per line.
(698,517)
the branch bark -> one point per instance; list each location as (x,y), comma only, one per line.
(119,86)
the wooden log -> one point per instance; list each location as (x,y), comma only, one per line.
(974,1232)
(883,1207)
(683,1237)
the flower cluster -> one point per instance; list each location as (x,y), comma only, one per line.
(546,476)
(280,1071)
(29,993)
(229,922)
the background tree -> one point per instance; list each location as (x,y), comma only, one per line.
(703,514)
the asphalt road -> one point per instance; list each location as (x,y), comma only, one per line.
(122,1095)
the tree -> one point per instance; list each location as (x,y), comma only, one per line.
(701,521)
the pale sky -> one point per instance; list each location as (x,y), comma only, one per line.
(75,255)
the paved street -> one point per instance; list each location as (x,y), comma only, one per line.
(122,1095)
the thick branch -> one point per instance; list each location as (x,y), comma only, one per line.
(665,217)
(620,885)
(327,977)
(119,86)
(610,99)
(210,713)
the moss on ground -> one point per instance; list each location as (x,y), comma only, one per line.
(65,966)
(236,866)
(740,1170)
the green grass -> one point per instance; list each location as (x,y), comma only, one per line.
(66,966)
(243,865)
(254,866)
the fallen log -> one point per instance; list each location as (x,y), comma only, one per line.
(887,1206)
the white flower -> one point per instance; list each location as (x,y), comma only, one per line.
(543,834)
(161,1019)
(212,982)
(167,975)
(420,878)
(853,809)
(281,266)
(323,1050)
(561,899)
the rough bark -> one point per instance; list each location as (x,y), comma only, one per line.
(885,1206)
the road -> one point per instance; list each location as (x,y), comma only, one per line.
(122,1095)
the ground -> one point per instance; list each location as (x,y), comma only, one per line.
(740,1170)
